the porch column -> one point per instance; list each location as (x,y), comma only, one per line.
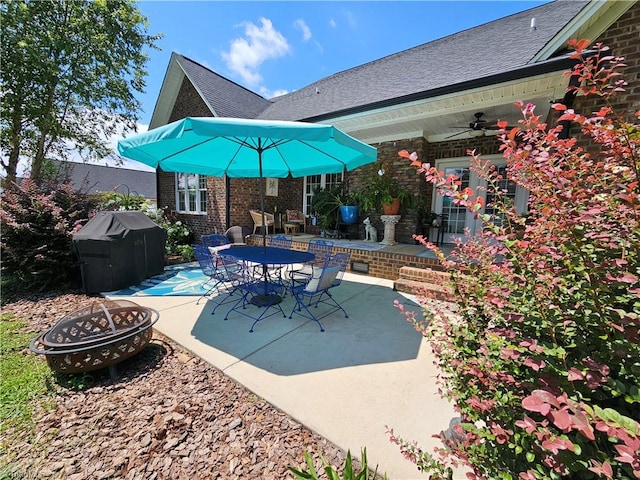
(389,229)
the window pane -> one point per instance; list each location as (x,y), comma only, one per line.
(203,201)
(191,193)
(456,213)
(508,189)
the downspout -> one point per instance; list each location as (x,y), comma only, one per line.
(158,170)
(227,185)
(567,101)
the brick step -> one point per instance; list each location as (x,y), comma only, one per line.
(429,275)
(415,280)
(411,286)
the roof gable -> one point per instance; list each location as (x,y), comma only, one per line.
(223,97)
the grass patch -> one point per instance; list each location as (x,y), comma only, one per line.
(25,380)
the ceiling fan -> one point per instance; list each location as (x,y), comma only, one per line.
(477,127)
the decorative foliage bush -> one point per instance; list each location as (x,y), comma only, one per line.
(179,235)
(121,201)
(541,355)
(38,223)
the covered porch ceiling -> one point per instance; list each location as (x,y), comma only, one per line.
(437,118)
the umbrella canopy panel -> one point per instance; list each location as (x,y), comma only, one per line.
(242,148)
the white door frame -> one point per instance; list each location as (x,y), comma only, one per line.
(459,218)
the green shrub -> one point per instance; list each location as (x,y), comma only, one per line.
(121,201)
(542,353)
(38,223)
(179,234)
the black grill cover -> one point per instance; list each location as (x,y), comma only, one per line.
(118,250)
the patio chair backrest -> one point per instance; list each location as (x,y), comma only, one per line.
(205,260)
(232,269)
(340,260)
(321,249)
(280,241)
(214,240)
(235,234)
(329,275)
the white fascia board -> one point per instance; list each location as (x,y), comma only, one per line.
(591,22)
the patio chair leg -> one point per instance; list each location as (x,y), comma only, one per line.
(300,304)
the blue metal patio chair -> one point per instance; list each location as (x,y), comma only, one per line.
(258,294)
(219,281)
(280,241)
(280,272)
(214,240)
(321,249)
(317,289)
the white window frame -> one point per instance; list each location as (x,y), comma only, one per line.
(306,197)
(199,181)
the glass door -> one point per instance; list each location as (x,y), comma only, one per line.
(458,218)
(462,223)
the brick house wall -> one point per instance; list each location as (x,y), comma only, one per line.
(412,181)
(621,37)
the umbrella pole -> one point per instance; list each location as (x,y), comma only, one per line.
(264,223)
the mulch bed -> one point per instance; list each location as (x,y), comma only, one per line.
(168,415)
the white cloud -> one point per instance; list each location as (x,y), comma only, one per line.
(332,23)
(247,53)
(266,93)
(306,31)
(351,19)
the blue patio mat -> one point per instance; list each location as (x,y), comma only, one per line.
(177,280)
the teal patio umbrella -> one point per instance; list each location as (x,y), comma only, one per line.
(241,148)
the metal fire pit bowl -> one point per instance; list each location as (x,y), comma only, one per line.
(96,336)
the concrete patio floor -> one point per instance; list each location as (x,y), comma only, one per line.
(363,374)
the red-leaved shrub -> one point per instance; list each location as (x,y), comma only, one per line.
(542,355)
(38,223)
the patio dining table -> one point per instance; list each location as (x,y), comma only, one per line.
(268,257)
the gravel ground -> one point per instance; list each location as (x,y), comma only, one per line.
(168,415)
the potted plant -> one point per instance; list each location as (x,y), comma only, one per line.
(383,192)
(349,206)
(336,204)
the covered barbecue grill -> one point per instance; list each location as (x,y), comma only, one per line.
(118,250)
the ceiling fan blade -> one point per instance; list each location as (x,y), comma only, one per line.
(459,133)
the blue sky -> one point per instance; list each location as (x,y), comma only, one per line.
(278,47)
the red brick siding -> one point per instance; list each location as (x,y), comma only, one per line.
(381,264)
(621,37)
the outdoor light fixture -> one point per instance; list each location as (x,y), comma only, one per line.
(477,133)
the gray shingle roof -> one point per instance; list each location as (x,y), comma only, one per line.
(496,47)
(99,178)
(225,97)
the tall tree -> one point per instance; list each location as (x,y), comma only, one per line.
(70,69)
